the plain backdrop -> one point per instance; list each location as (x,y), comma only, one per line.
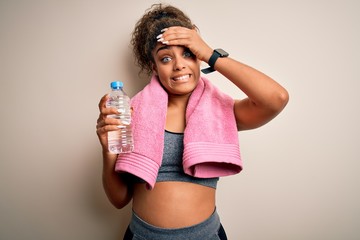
(300,178)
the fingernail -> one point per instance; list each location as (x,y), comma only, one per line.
(160,40)
(163,30)
(165,42)
(121,126)
(159,36)
(120,110)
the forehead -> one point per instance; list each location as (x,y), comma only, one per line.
(159,47)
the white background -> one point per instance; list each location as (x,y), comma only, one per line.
(300,177)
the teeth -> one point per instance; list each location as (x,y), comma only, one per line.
(182,77)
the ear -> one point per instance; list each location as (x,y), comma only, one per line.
(154,68)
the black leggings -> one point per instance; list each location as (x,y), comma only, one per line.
(209,229)
(221,233)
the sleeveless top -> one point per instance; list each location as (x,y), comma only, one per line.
(171,167)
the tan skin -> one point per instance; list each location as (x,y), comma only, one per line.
(181,204)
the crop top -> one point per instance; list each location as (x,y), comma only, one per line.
(171,167)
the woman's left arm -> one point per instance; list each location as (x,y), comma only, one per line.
(265,97)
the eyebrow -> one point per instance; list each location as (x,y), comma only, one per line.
(161,48)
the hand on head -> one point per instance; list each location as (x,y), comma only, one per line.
(188,38)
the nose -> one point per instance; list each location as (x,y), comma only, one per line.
(179,64)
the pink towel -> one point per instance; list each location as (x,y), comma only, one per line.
(211,145)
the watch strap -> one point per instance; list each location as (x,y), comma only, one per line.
(207,70)
(214,56)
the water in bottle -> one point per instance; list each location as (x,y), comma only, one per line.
(120,141)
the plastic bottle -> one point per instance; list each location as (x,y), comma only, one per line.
(120,141)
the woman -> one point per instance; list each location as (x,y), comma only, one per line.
(167,45)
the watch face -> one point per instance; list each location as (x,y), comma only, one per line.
(222,52)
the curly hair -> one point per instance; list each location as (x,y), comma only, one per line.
(156,18)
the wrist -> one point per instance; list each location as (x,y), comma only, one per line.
(208,55)
(217,53)
(108,157)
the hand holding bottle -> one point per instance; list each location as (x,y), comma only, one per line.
(117,107)
(106,124)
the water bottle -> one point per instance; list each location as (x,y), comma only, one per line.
(120,141)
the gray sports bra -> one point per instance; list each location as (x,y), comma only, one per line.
(171,168)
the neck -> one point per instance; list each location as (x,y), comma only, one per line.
(175,116)
(178,101)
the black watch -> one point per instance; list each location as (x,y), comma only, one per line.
(216,54)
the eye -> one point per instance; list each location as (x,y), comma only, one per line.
(166,59)
(187,53)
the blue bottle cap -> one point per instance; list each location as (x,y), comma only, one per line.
(116,85)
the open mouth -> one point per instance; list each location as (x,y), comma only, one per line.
(182,78)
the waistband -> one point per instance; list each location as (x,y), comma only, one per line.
(203,230)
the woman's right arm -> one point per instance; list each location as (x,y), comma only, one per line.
(117,190)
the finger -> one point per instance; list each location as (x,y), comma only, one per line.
(108,110)
(171,34)
(105,129)
(177,42)
(108,125)
(108,121)
(174,32)
(100,118)
(112,121)
(182,39)
(177,36)
(102,103)
(175,29)
(185,38)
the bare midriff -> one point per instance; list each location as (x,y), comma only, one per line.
(174,204)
